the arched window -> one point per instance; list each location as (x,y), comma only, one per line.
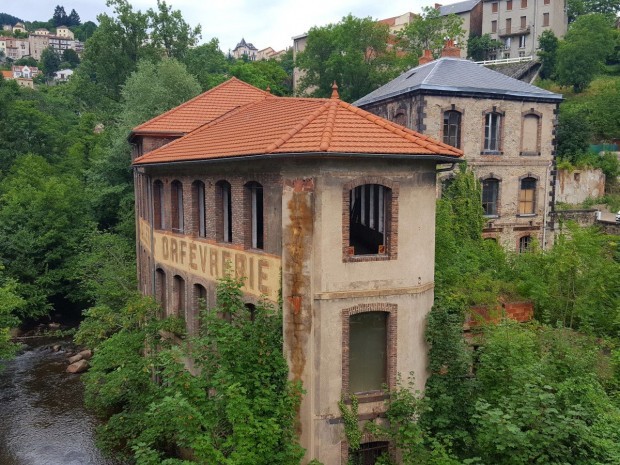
(368,339)
(200,302)
(160,289)
(490,196)
(224,211)
(254,206)
(369,453)
(158,205)
(370,205)
(251,308)
(400,118)
(530,137)
(527,196)
(492,132)
(198,208)
(524,243)
(452,128)
(176,207)
(178,296)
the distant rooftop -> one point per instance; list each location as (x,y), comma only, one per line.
(459,7)
(457,75)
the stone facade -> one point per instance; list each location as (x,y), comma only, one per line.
(525,153)
(519,23)
(574,187)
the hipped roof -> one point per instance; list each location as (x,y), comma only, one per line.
(296,126)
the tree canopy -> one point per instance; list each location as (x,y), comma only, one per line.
(429,31)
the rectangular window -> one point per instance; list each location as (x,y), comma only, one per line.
(367,228)
(523,22)
(508,25)
(493,26)
(452,128)
(527,196)
(507,43)
(367,351)
(492,132)
(547,2)
(523,3)
(158,205)
(545,19)
(521,41)
(490,195)
(494,7)
(509,5)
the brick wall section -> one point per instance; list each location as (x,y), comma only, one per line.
(391,235)
(480,315)
(392,310)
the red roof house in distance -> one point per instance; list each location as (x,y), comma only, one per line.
(323,203)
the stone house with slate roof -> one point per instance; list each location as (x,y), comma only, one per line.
(505,128)
(321,201)
(247,49)
(470,11)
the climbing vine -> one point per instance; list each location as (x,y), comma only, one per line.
(350,418)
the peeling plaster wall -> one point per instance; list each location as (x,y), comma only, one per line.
(574,187)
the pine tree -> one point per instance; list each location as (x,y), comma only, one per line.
(74,19)
(60,16)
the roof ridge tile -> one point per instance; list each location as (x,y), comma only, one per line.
(298,127)
(329,126)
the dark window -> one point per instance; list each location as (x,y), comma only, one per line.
(523,22)
(225,212)
(367,351)
(452,128)
(523,3)
(527,196)
(158,204)
(509,5)
(198,189)
(200,302)
(251,308)
(508,25)
(494,26)
(255,205)
(545,19)
(370,204)
(176,203)
(524,243)
(160,288)
(368,453)
(492,129)
(494,7)
(178,292)
(490,195)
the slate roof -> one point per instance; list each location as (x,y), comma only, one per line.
(457,75)
(243,43)
(281,125)
(459,7)
(202,109)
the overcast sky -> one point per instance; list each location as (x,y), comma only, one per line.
(265,23)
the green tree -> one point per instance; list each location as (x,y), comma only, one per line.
(429,31)
(263,74)
(26,61)
(73,19)
(50,62)
(84,31)
(354,53)
(59,17)
(548,43)
(576,8)
(574,131)
(170,32)
(71,57)
(586,45)
(208,63)
(479,47)
(10,304)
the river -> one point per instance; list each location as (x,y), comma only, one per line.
(42,417)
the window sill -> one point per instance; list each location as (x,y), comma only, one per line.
(366,258)
(491,152)
(526,215)
(367,397)
(491,217)
(529,154)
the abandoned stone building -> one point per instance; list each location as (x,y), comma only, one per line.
(325,202)
(504,126)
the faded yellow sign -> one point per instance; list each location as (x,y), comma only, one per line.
(210,261)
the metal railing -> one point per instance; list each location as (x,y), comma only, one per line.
(514,31)
(506,61)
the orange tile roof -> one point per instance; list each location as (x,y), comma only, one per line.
(203,109)
(7,74)
(281,125)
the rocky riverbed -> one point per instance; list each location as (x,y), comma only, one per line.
(42,418)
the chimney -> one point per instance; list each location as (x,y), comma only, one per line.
(450,50)
(426,58)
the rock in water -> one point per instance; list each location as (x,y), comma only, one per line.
(86,354)
(56,347)
(75,358)
(78,367)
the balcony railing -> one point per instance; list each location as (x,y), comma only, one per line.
(505,61)
(514,31)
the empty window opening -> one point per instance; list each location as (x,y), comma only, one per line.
(256,214)
(178,295)
(492,127)
(251,308)
(158,204)
(452,128)
(160,289)
(368,453)
(370,204)
(200,303)
(225,212)
(367,351)
(490,195)
(527,196)
(176,202)
(199,216)
(525,243)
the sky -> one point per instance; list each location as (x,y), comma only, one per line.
(265,23)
